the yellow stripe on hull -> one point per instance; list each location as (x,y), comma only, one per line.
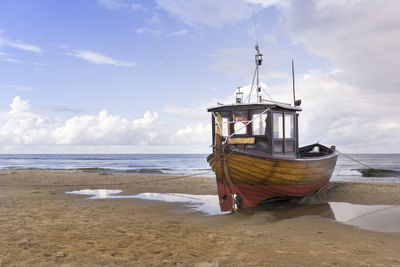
(252,170)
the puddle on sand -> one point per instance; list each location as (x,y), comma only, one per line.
(204,203)
(383,218)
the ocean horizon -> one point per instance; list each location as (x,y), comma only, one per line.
(181,164)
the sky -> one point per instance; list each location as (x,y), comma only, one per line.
(129,76)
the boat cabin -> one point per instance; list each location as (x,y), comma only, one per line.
(270,127)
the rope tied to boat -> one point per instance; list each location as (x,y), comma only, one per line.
(359,162)
(372,172)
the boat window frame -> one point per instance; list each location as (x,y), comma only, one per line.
(283,139)
(233,122)
(267,120)
(224,115)
(293,137)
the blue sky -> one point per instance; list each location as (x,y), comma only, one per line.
(131,76)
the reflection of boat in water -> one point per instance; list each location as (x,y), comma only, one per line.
(382,218)
(287,210)
(256,155)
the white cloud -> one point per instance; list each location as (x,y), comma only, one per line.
(340,114)
(193,113)
(5,42)
(356,107)
(104,129)
(39,64)
(199,113)
(97,58)
(18,105)
(199,134)
(11,60)
(239,62)
(334,113)
(211,12)
(270,39)
(112,4)
(153,31)
(136,7)
(17,87)
(153,20)
(179,33)
(116,4)
(268,3)
(25,47)
(20,127)
(144,30)
(360,37)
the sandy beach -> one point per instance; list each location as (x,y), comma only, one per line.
(42,225)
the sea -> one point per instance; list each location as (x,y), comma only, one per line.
(347,169)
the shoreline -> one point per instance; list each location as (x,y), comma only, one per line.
(42,225)
(199,173)
(39,177)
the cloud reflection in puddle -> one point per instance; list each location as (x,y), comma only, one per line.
(383,218)
(204,203)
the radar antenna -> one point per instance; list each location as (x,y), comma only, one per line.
(256,77)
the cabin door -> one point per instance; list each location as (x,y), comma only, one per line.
(283,141)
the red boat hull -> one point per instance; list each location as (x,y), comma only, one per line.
(255,178)
(252,195)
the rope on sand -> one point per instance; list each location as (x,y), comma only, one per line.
(174,178)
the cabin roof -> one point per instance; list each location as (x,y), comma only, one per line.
(247,106)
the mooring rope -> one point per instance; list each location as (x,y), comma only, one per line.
(174,178)
(347,156)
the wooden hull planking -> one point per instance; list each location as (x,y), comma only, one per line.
(259,178)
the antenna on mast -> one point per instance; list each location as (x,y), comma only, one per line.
(258,58)
(294,90)
(255,84)
(295,102)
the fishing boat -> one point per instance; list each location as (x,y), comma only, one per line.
(256,155)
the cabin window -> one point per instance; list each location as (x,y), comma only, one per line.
(239,122)
(289,126)
(289,133)
(259,123)
(278,125)
(225,127)
(283,132)
(222,123)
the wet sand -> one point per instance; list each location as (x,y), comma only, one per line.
(41,225)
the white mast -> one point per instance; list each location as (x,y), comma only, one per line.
(258,58)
